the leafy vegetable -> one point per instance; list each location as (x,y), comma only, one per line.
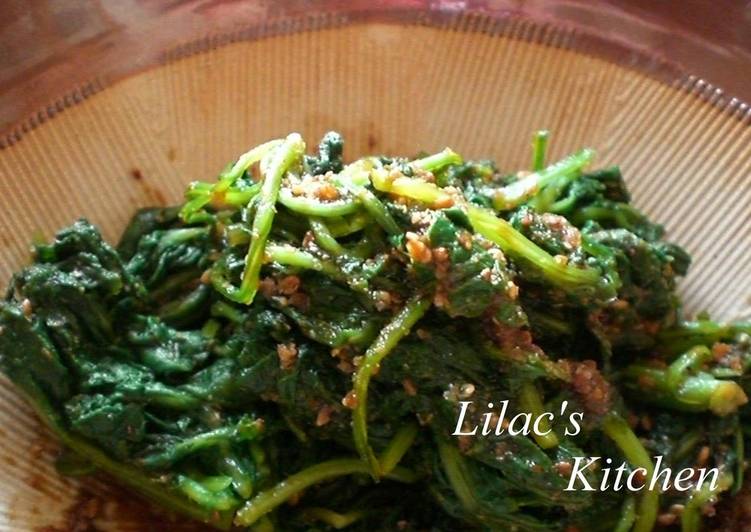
(292,348)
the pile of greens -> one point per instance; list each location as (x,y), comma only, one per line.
(289,349)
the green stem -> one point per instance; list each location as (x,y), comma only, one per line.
(619,431)
(530,401)
(241,197)
(292,256)
(244,162)
(173,237)
(691,518)
(326,333)
(184,310)
(690,360)
(242,482)
(245,430)
(397,448)
(226,310)
(550,324)
(285,155)
(458,476)
(539,149)
(688,334)
(685,445)
(378,211)
(154,490)
(269,499)
(628,515)
(567,277)
(518,192)
(435,162)
(198,189)
(692,393)
(200,494)
(333,519)
(312,207)
(387,340)
(201,194)
(173,283)
(297,258)
(325,239)
(157,491)
(740,459)
(345,226)
(415,188)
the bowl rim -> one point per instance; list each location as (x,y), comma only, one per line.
(570,29)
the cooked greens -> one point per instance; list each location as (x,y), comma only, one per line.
(291,348)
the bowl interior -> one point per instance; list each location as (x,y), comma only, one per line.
(389,88)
